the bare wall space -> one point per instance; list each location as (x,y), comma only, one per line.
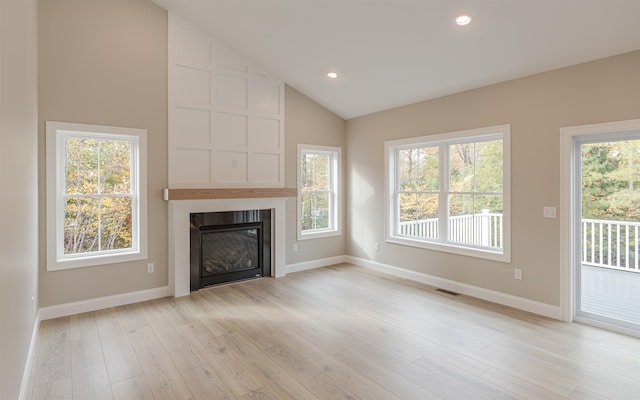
(19,199)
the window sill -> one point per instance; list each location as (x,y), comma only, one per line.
(504,256)
(319,234)
(93,261)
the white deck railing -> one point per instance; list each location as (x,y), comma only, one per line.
(482,230)
(611,244)
(608,244)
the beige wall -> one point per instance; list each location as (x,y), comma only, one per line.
(104,62)
(536,107)
(19,182)
(307,122)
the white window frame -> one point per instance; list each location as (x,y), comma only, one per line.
(56,133)
(443,140)
(335,224)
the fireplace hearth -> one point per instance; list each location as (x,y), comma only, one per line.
(229,246)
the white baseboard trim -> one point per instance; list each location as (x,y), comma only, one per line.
(458,287)
(63,310)
(77,307)
(26,375)
(323,262)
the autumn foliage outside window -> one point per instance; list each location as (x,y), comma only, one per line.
(98,197)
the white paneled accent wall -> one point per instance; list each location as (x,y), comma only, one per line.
(226,117)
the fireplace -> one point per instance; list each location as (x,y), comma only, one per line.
(180,211)
(229,246)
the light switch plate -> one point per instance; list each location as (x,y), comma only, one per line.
(549,212)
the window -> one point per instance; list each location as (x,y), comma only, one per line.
(96,195)
(318,183)
(451,192)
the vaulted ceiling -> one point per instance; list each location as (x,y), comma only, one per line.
(388,53)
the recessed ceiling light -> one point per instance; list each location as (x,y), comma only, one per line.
(463,20)
(332,75)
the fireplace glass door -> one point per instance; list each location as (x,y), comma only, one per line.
(230,253)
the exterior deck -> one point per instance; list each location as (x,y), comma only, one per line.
(612,293)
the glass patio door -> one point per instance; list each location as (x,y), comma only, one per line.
(607,270)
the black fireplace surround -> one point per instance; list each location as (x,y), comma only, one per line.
(229,246)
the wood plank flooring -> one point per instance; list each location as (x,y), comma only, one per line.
(339,332)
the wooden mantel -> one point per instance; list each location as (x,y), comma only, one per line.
(205,194)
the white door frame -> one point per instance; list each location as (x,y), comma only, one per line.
(568,223)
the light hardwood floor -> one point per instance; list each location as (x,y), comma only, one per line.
(340,332)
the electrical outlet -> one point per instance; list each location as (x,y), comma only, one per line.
(376,246)
(549,212)
(295,247)
(150,268)
(517,274)
(33,304)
